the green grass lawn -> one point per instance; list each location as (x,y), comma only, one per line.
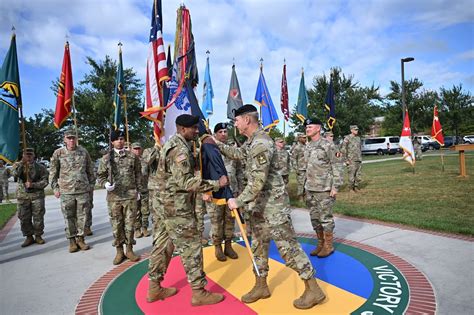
(7,210)
(428,199)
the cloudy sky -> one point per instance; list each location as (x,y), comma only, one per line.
(366,38)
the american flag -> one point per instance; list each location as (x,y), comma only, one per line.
(156,71)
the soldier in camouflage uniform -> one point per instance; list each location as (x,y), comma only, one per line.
(4,175)
(298,163)
(152,156)
(123,190)
(268,204)
(72,178)
(32,178)
(143,209)
(417,148)
(178,227)
(352,153)
(283,160)
(323,178)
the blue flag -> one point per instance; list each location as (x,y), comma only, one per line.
(208,92)
(330,106)
(262,97)
(10,103)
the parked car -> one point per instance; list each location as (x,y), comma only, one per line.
(468,139)
(427,143)
(381,145)
(449,141)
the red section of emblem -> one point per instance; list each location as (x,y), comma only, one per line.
(234,93)
(181,302)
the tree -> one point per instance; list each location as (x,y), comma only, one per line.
(456,111)
(355,105)
(41,135)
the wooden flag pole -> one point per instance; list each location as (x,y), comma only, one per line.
(246,241)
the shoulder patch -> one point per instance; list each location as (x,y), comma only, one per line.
(181,157)
(261,158)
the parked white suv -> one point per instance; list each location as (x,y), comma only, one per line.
(469,139)
(381,145)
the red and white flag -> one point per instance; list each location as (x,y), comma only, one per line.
(436,129)
(156,72)
(405,141)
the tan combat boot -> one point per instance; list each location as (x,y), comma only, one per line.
(81,243)
(204,297)
(157,292)
(219,253)
(39,240)
(320,234)
(88,231)
(229,251)
(145,232)
(311,296)
(138,233)
(28,241)
(328,249)
(72,245)
(130,254)
(119,256)
(259,291)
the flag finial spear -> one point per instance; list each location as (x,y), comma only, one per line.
(261,64)
(13,30)
(302,70)
(284,61)
(208,52)
(233,61)
(120,46)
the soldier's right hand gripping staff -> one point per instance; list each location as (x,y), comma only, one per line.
(177,217)
(268,203)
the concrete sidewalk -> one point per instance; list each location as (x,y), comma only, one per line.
(47,279)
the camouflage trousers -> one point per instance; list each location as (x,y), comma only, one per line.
(31,215)
(143,211)
(418,153)
(177,231)
(73,208)
(4,190)
(201,209)
(89,207)
(320,206)
(300,179)
(355,174)
(122,215)
(273,221)
(222,223)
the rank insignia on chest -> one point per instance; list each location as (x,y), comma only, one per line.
(262,159)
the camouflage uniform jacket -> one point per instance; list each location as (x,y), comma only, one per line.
(264,183)
(126,175)
(297,157)
(179,182)
(231,168)
(283,161)
(4,174)
(37,175)
(324,171)
(351,149)
(72,171)
(151,156)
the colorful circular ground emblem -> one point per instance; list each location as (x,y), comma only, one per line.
(357,279)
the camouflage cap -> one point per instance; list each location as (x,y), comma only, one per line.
(70,132)
(354,127)
(29,151)
(328,133)
(278,139)
(136,145)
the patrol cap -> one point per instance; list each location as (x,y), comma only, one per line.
(29,151)
(300,135)
(70,132)
(354,127)
(136,145)
(220,126)
(115,134)
(247,108)
(278,139)
(186,120)
(312,121)
(328,133)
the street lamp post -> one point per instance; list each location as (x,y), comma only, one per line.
(402,61)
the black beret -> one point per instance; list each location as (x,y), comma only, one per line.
(220,126)
(186,120)
(115,134)
(312,121)
(29,151)
(247,108)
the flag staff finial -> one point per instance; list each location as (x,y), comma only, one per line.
(208,53)
(302,70)
(261,64)
(233,61)
(120,46)
(284,61)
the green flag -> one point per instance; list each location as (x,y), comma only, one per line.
(302,105)
(10,103)
(119,92)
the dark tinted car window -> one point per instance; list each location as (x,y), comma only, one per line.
(394,140)
(375,140)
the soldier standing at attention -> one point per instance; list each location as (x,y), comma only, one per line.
(4,175)
(283,160)
(143,209)
(32,179)
(268,204)
(72,178)
(323,177)
(352,154)
(178,227)
(122,194)
(417,148)
(298,163)
(152,156)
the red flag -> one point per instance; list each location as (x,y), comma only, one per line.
(436,130)
(65,91)
(284,96)
(156,72)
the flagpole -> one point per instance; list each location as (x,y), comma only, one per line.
(124,100)
(22,119)
(261,70)
(74,118)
